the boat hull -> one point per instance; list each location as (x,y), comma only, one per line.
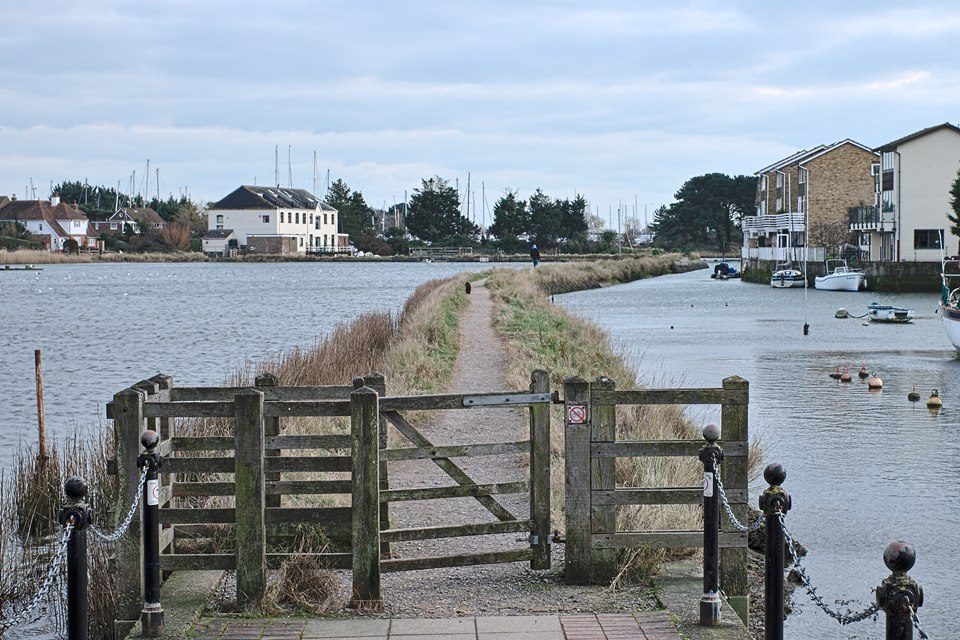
(786,283)
(839,282)
(950,316)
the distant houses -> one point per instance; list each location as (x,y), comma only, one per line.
(51,221)
(137,219)
(891,201)
(281,220)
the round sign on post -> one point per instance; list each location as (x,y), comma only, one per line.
(577,414)
(153,492)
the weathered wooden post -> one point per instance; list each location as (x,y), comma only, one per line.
(365,430)
(41,425)
(249,478)
(271,427)
(579,545)
(378,383)
(540,472)
(603,428)
(128,424)
(733,473)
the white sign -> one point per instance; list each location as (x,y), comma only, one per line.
(707,484)
(153,492)
(577,414)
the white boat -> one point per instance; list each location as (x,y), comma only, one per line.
(887,313)
(950,300)
(786,276)
(839,277)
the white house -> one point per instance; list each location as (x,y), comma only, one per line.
(255,212)
(219,241)
(913,186)
(51,220)
(139,220)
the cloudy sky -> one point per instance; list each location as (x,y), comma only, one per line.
(615,100)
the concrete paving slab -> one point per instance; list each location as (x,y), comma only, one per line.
(518,624)
(532,635)
(346,629)
(432,626)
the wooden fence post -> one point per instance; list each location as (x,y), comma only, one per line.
(271,427)
(603,428)
(378,383)
(733,472)
(365,432)
(128,423)
(578,548)
(540,472)
(249,511)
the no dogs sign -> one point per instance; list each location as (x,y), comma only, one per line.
(577,414)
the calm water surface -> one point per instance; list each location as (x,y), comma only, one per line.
(103,327)
(863,468)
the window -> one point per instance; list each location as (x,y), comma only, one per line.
(324,239)
(219,227)
(301,241)
(220,219)
(887,180)
(324,220)
(296,217)
(783,240)
(317,225)
(779,180)
(311,218)
(266,219)
(113,225)
(802,176)
(926,238)
(332,221)
(41,227)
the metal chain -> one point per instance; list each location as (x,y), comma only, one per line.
(916,624)
(726,506)
(122,529)
(27,614)
(842,618)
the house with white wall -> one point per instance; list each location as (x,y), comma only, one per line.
(913,189)
(255,212)
(51,220)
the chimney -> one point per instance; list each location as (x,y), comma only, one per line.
(54,199)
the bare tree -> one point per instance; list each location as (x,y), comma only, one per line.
(176,236)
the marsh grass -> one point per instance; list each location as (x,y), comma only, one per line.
(42,256)
(542,335)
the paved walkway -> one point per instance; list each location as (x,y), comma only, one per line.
(641,626)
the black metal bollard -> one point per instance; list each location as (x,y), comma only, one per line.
(774,501)
(151,617)
(711,455)
(79,514)
(899,594)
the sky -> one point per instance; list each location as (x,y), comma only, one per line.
(619,101)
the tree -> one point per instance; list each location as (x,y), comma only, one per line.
(595,225)
(397,239)
(955,205)
(546,220)
(707,211)
(434,214)
(510,220)
(355,216)
(191,215)
(573,219)
(176,236)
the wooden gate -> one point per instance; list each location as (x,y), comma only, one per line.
(592,495)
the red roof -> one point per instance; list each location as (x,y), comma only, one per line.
(36,210)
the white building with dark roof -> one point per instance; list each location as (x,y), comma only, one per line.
(255,212)
(51,220)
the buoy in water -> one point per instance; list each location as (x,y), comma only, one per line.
(863,373)
(836,374)
(875,382)
(846,377)
(914,395)
(934,401)
(841,313)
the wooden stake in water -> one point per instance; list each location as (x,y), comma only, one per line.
(41,427)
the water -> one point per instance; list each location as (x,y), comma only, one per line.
(863,468)
(103,327)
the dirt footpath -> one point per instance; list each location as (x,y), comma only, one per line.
(506,588)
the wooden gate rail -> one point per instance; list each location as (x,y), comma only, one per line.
(592,495)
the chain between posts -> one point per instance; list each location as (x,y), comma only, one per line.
(27,614)
(122,529)
(729,510)
(842,618)
(916,624)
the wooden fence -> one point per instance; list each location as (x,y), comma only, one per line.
(592,495)
(245,510)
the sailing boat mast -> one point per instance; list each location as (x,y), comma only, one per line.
(314,172)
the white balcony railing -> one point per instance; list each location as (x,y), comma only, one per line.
(778,222)
(784,254)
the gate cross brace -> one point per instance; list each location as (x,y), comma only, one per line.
(449,466)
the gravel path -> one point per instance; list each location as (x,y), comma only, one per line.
(504,588)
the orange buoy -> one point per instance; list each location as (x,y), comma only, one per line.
(934,401)
(846,377)
(875,382)
(863,373)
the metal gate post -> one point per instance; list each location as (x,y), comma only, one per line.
(710,456)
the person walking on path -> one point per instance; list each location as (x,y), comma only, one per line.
(535,255)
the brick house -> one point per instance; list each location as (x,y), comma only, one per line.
(804,202)
(139,220)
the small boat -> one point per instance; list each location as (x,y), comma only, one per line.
(950,300)
(786,276)
(839,277)
(887,313)
(724,271)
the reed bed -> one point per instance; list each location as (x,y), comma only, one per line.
(42,256)
(541,335)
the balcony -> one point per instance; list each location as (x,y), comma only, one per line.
(870,218)
(757,225)
(783,254)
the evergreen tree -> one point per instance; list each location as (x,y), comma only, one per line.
(955,205)
(354,216)
(573,219)
(546,220)
(434,215)
(510,219)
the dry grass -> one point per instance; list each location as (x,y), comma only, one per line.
(34,256)
(578,276)
(541,335)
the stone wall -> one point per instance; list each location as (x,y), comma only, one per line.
(895,277)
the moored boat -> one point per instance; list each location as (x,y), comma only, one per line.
(839,277)
(786,276)
(723,271)
(950,300)
(887,313)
